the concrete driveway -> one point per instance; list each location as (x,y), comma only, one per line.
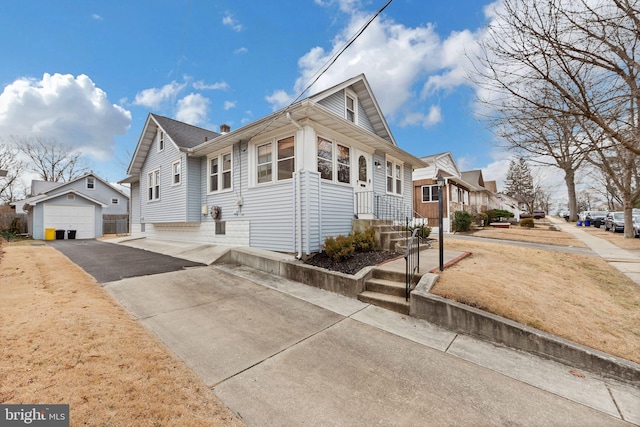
(281,353)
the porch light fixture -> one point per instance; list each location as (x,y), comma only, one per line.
(440,183)
(377,164)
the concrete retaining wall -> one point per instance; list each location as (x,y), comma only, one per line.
(282,265)
(471,321)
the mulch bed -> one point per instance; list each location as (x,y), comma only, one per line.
(352,265)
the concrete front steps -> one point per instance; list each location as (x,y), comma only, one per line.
(388,236)
(386,289)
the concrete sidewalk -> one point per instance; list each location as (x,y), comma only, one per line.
(628,262)
(308,356)
(280,353)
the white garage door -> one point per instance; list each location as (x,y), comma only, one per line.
(79,218)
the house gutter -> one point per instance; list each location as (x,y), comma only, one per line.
(298,199)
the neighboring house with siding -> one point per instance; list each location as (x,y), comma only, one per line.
(284,182)
(480,195)
(78,205)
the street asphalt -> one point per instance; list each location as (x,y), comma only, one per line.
(281,353)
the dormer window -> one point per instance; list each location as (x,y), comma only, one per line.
(160,140)
(351,108)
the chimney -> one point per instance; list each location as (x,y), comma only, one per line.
(224,128)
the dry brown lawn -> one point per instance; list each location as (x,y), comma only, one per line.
(65,340)
(578,297)
(539,234)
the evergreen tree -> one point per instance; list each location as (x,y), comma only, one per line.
(519,183)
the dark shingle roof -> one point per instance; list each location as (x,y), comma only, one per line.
(183,134)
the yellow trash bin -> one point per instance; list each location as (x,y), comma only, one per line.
(49,234)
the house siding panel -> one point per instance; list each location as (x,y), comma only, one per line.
(310,211)
(336,209)
(193,182)
(172,204)
(135,203)
(335,103)
(271,209)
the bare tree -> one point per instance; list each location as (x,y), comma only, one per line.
(51,160)
(552,140)
(581,52)
(9,162)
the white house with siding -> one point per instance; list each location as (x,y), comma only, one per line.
(79,205)
(283,183)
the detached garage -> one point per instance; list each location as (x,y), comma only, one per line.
(70,210)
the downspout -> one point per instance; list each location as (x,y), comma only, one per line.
(298,199)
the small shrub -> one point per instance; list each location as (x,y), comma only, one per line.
(495,215)
(527,223)
(481,219)
(364,240)
(424,231)
(339,248)
(462,221)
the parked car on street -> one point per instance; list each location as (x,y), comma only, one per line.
(596,218)
(614,221)
(636,225)
(538,214)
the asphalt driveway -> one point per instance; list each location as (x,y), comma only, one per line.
(108,262)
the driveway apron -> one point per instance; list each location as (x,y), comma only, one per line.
(108,262)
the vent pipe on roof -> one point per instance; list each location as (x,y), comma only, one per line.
(224,128)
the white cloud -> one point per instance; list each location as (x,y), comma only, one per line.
(97,17)
(278,99)
(230,104)
(193,109)
(241,51)
(154,97)
(231,22)
(71,110)
(404,65)
(433,117)
(200,85)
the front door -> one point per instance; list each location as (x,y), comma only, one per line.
(364,193)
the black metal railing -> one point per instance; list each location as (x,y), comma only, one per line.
(402,218)
(412,261)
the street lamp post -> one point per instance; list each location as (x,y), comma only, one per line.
(440,182)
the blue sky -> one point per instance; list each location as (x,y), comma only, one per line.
(87,73)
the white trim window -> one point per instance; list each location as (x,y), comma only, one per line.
(283,162)
(394,176)
(220,168)
(160,140)
(429,193)
(332,156)
(91,183)
(176,172)
(153,185)
(351,106)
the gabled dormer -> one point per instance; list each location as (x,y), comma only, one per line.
(354,102)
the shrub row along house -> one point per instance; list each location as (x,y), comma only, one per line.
(283,183)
